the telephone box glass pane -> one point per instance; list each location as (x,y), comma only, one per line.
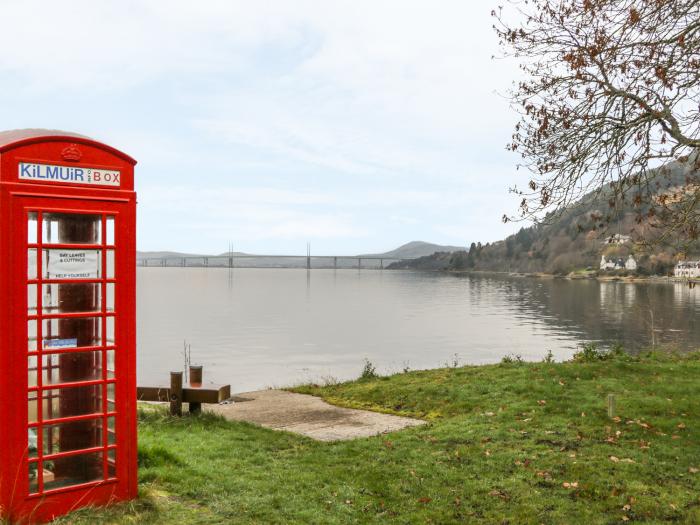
(60,263)
(111,405)
(109,234)
(32,443)
(110,264)
(110,297)
(31,336)
(33,478)
(32,410)
(109,341)
(71,228)
(76,332)
(112,464)
(110,364)
(31,227)
(71,297)
(111,430)
(31,263)
(62,437)
(72,367)
(72,401)
(32,371)
(73,470)
(31,299)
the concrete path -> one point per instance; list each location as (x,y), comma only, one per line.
(309,415)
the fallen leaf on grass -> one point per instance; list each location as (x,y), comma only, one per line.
(425,500)
(499,494)
(542,402)
(570,485)
(681,425)
(615,459)
(693,470)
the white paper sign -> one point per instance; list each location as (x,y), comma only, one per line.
(68,174)
(72,264)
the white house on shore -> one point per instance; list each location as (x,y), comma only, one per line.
(618,238)
(688,269)
(618,263)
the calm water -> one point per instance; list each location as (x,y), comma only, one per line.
(273,327)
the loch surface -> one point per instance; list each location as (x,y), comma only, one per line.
(256,328)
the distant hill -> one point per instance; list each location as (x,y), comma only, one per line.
(416,249)
(574,239)
(165,254)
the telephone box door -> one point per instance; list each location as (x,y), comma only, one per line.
(72,261)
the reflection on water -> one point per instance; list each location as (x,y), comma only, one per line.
(269,327)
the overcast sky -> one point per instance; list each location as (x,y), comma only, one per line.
(356,126)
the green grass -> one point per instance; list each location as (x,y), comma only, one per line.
(514,443)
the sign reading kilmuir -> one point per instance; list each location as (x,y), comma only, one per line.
(69,175)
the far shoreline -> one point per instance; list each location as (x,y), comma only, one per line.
(573,276)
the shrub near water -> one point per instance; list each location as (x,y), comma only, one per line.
(590,353)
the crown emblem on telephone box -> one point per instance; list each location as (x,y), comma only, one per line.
(71,153)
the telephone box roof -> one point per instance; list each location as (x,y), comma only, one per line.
(17,137)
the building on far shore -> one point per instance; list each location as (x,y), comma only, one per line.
(618,263)
(618,238)
(687,269)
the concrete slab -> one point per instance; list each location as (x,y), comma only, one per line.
(309,416)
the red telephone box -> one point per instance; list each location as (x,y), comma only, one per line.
(67,324)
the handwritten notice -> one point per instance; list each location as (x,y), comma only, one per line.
(72,264)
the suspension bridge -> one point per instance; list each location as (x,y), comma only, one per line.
(244,260)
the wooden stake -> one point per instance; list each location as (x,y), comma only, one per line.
(176,393)
(611,406)
(195,382)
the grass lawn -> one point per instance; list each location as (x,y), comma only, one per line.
(511,443)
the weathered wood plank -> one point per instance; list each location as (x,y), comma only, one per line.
(204,394)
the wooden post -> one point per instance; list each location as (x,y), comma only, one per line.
(611,406)
(195,382)
(175,393)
